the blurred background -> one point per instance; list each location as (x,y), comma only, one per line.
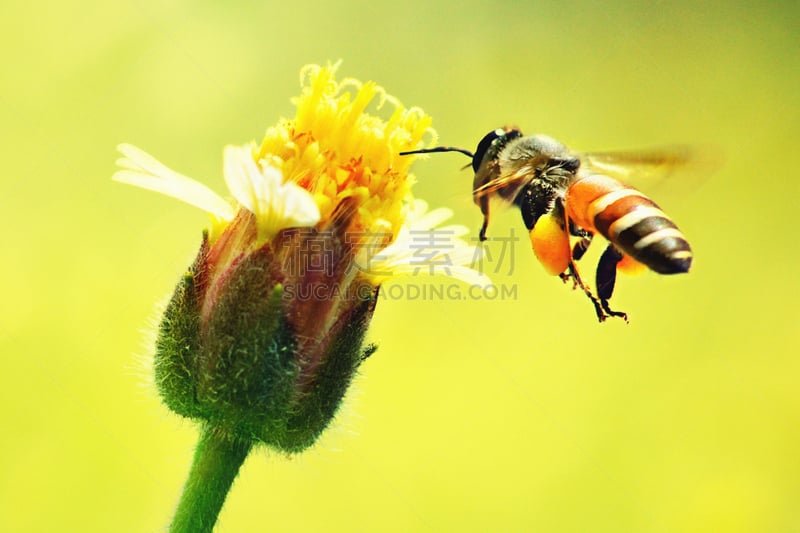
(521,414)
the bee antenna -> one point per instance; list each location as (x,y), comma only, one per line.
(440,149)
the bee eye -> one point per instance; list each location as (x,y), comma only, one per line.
(493,143)
(513,133)
(484,145)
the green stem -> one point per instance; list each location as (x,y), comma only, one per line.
(216,462)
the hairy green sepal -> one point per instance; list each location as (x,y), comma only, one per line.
(239,369)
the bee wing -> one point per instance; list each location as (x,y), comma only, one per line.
(491,180)
(649,168)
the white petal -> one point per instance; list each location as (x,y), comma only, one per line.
(460,272)
(464,254)
(268,193)
(277,205)
(456,230)
(299,206)
(416,209)
(470,276)
(137,159)
(143,170)
(432,219)
(242,176)
(445,254)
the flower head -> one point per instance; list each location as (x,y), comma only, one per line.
(265,330)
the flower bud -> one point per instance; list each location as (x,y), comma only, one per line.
(246,364)
(265,331)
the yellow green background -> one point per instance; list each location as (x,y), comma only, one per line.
(517,415)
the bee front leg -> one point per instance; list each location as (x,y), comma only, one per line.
(483,203)
(606,278)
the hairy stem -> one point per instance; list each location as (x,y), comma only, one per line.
(216,462)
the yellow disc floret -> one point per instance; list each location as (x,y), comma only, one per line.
(335,148)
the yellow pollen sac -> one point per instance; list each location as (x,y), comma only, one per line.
(336,148)
(551,244)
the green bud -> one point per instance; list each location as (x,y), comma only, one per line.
(243,348)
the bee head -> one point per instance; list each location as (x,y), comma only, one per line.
(492,144)
(488,148)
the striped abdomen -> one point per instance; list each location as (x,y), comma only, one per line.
(630,220)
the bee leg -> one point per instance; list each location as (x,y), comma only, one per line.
(484,205)
(482,235)
(577,252)
(606,277)
(581,246)
(577,231)
(599,309)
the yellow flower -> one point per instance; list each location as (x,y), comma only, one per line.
(305,167)
(265,331)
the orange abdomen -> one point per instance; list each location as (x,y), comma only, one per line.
(630,220)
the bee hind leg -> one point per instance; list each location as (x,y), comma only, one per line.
(606,278)
(599,308)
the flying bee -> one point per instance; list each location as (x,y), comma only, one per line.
(567,197)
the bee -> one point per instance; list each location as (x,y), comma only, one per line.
(567,197)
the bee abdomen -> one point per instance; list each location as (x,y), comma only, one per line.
(638,227)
